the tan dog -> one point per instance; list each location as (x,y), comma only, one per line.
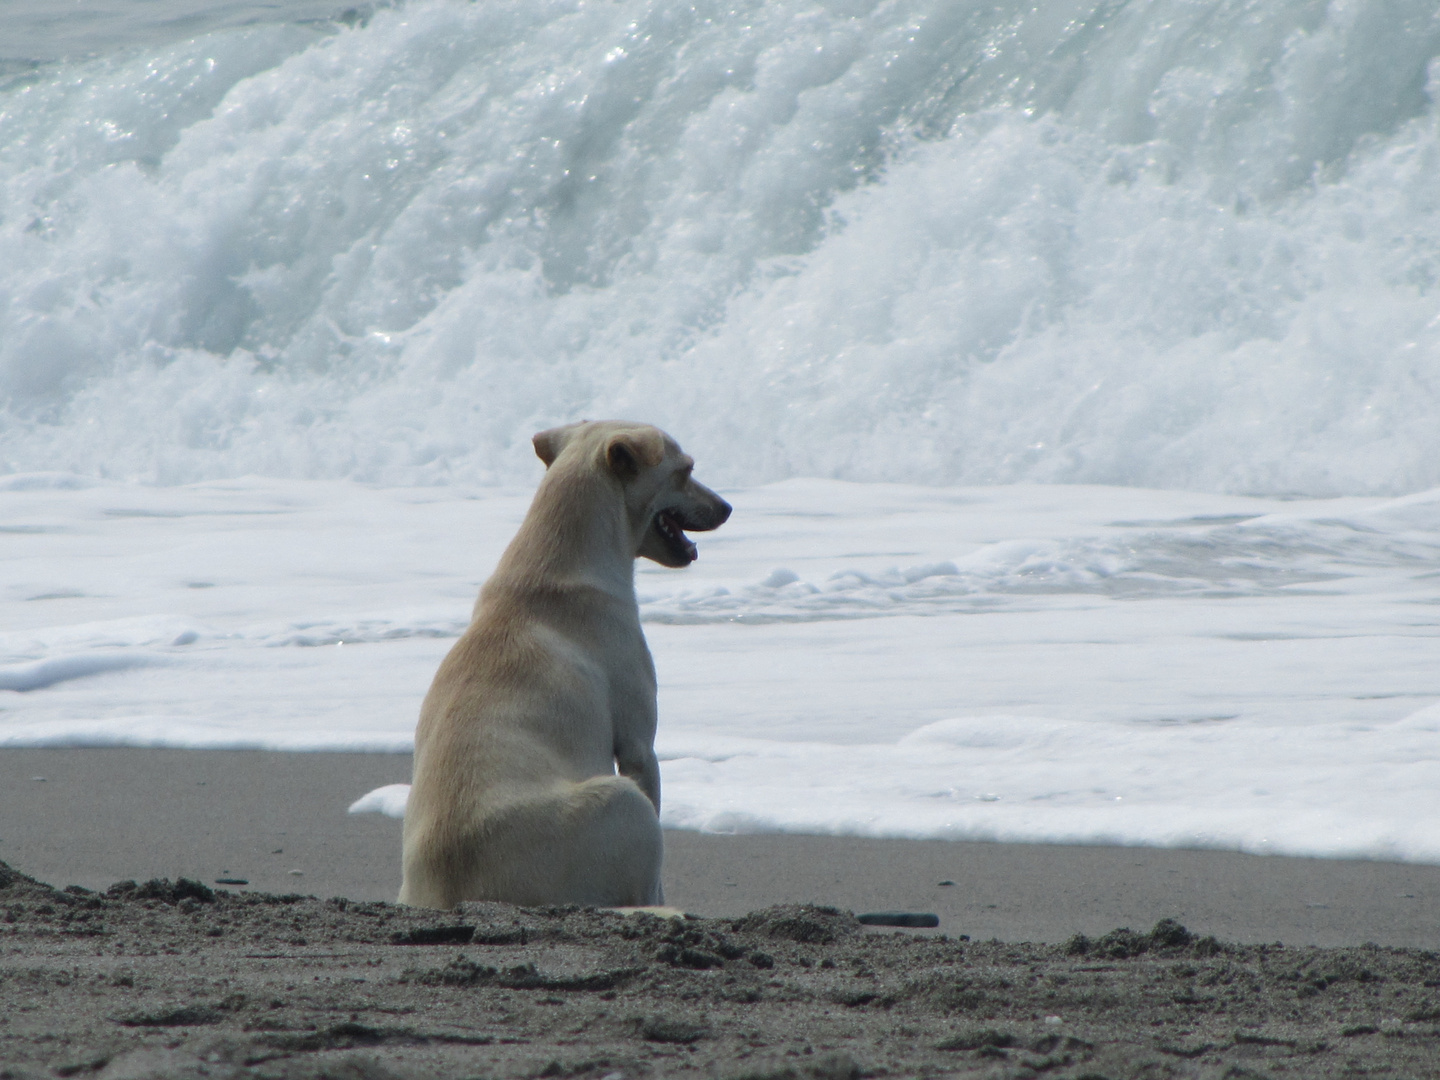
(515,794)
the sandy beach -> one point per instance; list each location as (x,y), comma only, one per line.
(1071,372)
(177,914)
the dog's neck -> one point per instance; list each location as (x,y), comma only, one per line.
(576,532)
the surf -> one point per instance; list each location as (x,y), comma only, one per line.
(1171,245)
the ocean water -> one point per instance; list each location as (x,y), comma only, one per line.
(1073,369)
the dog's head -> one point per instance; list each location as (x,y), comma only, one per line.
(662,498)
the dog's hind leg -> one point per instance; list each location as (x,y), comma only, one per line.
(597,842)
(617,843)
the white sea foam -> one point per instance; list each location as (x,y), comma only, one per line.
(41,674)
(1172,244)
(1021,662)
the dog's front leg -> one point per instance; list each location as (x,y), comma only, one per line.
(640,764)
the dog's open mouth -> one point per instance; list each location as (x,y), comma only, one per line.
(669,525)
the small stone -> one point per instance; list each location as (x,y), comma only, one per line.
(912,919)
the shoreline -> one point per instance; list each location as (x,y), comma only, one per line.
(102,815)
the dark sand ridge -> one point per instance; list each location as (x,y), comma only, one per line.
(105,815)
(175,981)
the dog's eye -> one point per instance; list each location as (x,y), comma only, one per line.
(682,475)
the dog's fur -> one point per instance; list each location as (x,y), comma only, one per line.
(515,794)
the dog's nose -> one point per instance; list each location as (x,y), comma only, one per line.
(725,509)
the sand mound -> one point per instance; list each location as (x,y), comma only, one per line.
(176,980)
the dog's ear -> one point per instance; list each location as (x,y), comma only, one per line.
(630,451)
(548,444)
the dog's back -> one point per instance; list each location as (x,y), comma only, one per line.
(515,795)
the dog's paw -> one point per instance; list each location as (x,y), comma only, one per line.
(659,910)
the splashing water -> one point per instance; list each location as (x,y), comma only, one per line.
(1176,244)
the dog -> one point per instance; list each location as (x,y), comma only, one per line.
(535,777)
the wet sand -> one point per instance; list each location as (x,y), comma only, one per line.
(104,815)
